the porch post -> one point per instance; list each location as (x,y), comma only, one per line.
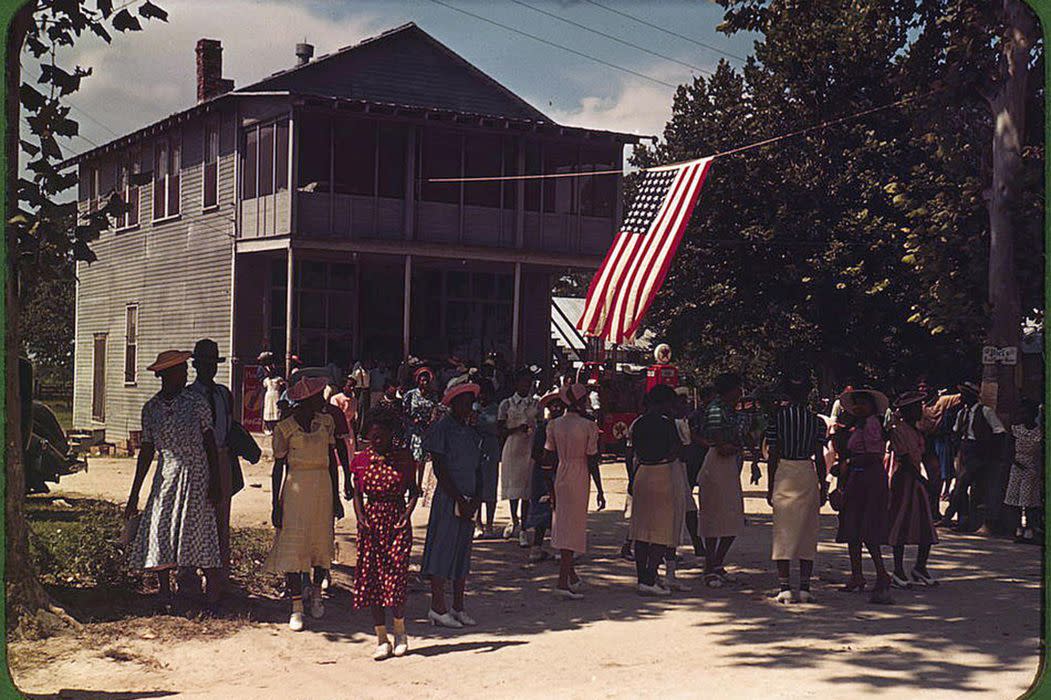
(406,307)
(516,313)
(289,297)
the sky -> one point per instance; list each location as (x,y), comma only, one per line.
(144,76)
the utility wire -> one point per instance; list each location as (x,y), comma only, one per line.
(666,31)
(612,38)
(667,166)
(93,119)
(557,46)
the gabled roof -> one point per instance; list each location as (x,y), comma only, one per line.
(405,66)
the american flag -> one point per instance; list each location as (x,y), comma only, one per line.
(635,266)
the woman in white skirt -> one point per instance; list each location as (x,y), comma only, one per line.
(722,502)
(796,488)
(658,508)
(517,416)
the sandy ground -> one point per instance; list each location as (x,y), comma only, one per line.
(976,635)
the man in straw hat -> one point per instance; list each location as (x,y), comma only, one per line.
(456,450)
(206,361)
(178,528)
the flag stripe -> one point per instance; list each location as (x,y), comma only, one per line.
(644,251)
(623,289)
(658,280)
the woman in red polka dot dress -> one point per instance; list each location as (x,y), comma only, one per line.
(384,499)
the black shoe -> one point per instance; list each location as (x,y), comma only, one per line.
(626,553)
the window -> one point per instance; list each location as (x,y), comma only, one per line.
(251,164)
(167,165)
(131,336)
(355,154)
(392,152)
(560,194)
(89,186)
(533,166)
(98,378)
(510,187)
(597,193)
(483,157)
(127,187)
(440,154)
(211,164)
(315,153)
(265,160)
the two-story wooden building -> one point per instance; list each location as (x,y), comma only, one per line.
(296,215)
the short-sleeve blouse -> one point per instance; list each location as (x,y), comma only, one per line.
(302,449)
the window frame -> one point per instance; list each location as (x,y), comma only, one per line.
(172,143)
(132,343)
(98,399)
(211,126)
(279,177)
(125,171)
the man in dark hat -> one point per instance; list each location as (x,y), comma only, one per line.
(206,361)
(981,435)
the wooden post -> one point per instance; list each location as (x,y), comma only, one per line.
(406,313)
(289,298)
(516,313)
(409,208)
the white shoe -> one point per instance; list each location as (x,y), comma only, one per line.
(713,581)
(568,593)
(652,590)
(463,618)
(784,597)
(523,539)
(382,651)
(445,619)
(401,645)
(510,531)
(923,579)
(317,608)
(806,597)
(295,623)
(580,585)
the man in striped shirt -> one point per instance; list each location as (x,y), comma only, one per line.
(796,487)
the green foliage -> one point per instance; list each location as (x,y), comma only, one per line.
(46,318)
(853,251)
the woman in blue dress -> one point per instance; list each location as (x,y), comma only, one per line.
(455,446)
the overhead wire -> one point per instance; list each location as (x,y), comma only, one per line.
(666,31)
(555,45)
(611,37)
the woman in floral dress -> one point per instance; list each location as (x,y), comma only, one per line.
(384,500)
(420,407)
(178,526)
(1025,487)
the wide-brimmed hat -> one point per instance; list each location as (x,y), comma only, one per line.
(549,397)
(909,398)
(207,350)
(264,357)
(422,370)
(169,359)
(847,399)
(969,388)
(454,391)
(572,393)
(305,387)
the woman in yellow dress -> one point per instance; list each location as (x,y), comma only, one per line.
(306,495)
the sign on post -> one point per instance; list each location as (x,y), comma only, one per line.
(999,356)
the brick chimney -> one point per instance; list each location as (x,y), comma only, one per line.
(210,81)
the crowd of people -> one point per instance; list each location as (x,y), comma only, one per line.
(459,439)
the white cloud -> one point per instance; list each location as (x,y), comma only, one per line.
(144,76)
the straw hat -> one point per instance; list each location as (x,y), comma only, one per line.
(454,391)
(549,397)
(169,359)
(572,393)
(305,387)
(846,399)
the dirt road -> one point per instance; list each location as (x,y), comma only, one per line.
(976,635)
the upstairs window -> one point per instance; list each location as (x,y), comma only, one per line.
(265,160)
(355,157)
(211,164)
(126,184)
(483,157)
(167,165)
(441,156)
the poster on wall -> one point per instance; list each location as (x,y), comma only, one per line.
(251,399)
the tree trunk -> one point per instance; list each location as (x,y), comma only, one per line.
(1008,109)
(25,595)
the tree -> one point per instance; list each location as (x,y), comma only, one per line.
(40,242)
(47,316)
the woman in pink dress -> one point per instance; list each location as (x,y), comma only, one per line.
(347,402)
(572,443)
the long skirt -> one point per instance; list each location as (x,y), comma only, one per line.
(516,464)
(569,523)
(658,510)
(307,535)
(722,502)
(863,517)
(797,504)
(447,549)
(1024,488)
(911,520)
(381,574)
